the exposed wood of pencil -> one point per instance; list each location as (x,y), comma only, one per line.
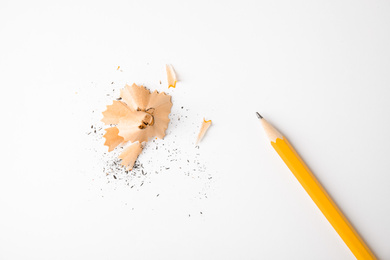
(317,192)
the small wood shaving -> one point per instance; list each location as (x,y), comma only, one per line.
(171,76)
(203,130)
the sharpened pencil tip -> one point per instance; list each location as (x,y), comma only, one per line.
(258,115)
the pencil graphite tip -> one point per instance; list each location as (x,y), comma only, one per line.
(258,115)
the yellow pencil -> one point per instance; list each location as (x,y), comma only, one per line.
(316,192)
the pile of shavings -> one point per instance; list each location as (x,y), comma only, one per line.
(137,116)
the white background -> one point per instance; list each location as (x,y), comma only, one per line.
(317,70)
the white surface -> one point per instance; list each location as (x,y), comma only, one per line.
(317,70)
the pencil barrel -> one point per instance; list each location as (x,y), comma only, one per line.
(322,199)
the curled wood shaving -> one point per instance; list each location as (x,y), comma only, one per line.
(139,116)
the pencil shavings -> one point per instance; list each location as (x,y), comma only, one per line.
(203,129)
(171,76)
(130,155)
(139,116)
(112,138)
(115,112)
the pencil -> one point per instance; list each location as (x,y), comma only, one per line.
(316,192)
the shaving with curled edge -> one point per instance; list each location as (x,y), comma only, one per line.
(137,117)
(171,76)
(203,129)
